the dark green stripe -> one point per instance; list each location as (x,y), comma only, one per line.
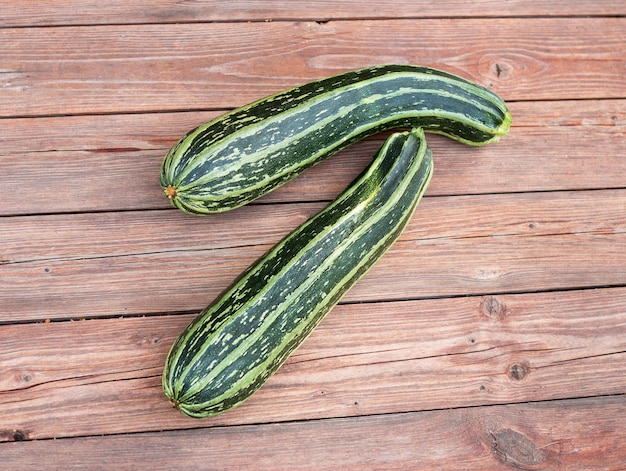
(240,156)
(319,262)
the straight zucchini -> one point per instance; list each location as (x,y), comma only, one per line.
(242,155)
(243,337)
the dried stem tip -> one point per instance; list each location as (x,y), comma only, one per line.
(170,192)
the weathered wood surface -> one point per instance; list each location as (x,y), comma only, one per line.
(81,12)
(112,69)
(94,163)
(130,263)
(553,435)
(364,359)
(492,335)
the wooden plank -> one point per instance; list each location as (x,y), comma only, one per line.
(103,376)
(117,234)
(583,435)
(112,134)
(121,234)
(159,131)
(140,263)
(56,12)
(189,280)
(222,65)
(91,163)
(491,337)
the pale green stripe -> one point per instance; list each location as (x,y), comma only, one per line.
(255,373)
(393,76)
(273,253)
(366,226)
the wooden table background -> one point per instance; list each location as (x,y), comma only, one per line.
(492,335)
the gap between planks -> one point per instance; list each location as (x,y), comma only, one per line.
(521,59)
(84,12)
(102,376)
(122,264)
(58,164)
(583,435)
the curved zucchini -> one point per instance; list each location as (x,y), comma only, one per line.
(243,337)
(248,152)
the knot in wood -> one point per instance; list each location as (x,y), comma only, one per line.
(517,449)
(492,308)
(519,371)
(19,436)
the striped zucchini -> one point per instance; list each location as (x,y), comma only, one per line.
(243,337)
(248,152)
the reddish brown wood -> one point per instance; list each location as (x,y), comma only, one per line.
(221,65)
(500,311)
(70,164)
(56,12)
(166,261)
(159,131)
(102,376)
(578,435)
(67,237)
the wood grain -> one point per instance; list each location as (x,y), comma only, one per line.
(90,163)
(140,263)
(491,337)
(56,12)
(581,435)
(363,359)
(143,68)
(67,237)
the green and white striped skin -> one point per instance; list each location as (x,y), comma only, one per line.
(250,151)
(243,337)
